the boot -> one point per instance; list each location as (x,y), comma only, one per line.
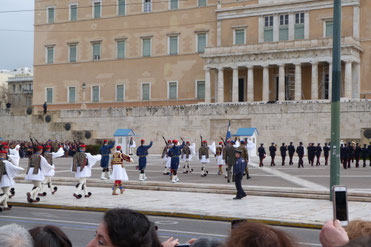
(121,189)
(184,169)
(166,172)
(174,179)
(114,190)
(144,177)
(141,177)
(108,174)
(102,177)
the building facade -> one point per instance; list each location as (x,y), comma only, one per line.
(127,53)
(20,92)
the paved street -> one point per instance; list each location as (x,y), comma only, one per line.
(80,226)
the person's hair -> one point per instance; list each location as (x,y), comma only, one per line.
(358,228)
(14,235)
(203,242)
(127,228)
(257,234)
(364,241)
(45,236)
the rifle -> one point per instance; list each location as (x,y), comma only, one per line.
(33,145)
(223,141)
(201,139)
(165,140)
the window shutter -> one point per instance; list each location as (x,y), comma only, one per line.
(299,31)
(202,3)
(72,94)
(120,93)
(173,41)
(200,89)
(173,4)
(172,90)
(121,7)
(95,94)
(96,51)
(50,15)
(239,37)
(146,47)
(50,55)
(73,12)
(329,29)
(145,91)
(268,34)
(97,10)
(284,33)
(49,95)
(120,49)
(72,53)
(201,42)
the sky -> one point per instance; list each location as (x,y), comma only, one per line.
(16,48)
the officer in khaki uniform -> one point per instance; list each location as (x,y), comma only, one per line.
(245,156)
(229,155)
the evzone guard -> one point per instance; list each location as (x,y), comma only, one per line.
(37,167)
(142,153)
(81,166)
(174,152)
(219,158)
(187,157)
(165,157)
(105,151)
(118,170)
(203,155)
(12,156)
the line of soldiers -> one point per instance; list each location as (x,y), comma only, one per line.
(353,151)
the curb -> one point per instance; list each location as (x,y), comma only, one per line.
(176,215)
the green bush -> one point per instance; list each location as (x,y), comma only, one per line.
(93,149)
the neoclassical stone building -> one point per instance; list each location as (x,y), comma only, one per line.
(125,53)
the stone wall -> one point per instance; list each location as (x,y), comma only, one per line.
(280,122)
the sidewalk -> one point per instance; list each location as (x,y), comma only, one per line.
(296,212)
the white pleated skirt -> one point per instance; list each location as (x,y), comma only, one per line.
(119,173)
(219,160)
(6,181)
(85,173)
(34,177)
(185,159)
(204,159)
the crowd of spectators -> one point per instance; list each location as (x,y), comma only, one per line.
(127,228)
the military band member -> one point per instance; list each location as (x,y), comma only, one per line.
(187,158)
(7,172)
(131,145)
(300,152)
(81,166)
(105,151)
(37,166)
(166,158)
(245,156)
(203,155)
(219,158)
(238,170)
(326,153)
(283,150)
(291,150)
(262,154)
(357,154)
(364,154)
(174,152)
(118,170)
(229,155)
(272,153)
(318,154)
(142,153)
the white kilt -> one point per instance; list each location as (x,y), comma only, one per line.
(119,173)
(168,162)
(165,158)
(219,160)
(50,173)
(185,159)
(85,173)
(204,159)
(6,181)
(34,177)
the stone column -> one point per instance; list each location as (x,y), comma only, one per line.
(291,26)
(298,82)
(276,28)
(356,81)
(207,85)
(330,81)
(235,85)
(348,79)
(356,22)
(314,81)
(220,85)
(281,83)
(250,84)
(266,83)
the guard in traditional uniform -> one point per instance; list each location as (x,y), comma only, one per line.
(118,170)
(357,154)
(81,166)
(262,154)
(187,158)
(245,156)
(37,166)
(131,145)
(326,152)
(219,158)
(238,170)
(318,154)
(364,154)
(166,158)
(203,155)
(105,151)
(49,156)
(174,152)
(272,153)
(7,172)
(291,150)
(142,153)
(283,150)
(300,152)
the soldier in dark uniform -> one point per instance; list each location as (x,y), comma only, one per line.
(291,150)
(283,150)
(174,152)
(342,154)
(300,152)
(262,154)
(229,154)
(350,154)
(142,152)
(311,153)
(369,152)
(105,151)
(364,154)
(357,154)
(272,153)
(245,156)
(318,154)
(346,157)
(238,170)
(326,152)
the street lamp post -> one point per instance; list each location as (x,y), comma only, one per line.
(83,105)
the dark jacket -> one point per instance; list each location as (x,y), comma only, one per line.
(326,150)
(291,149)
(283,150)
(300,151)
(239,166)
(272,150)
(261,151)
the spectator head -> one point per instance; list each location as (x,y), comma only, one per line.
(364,241)
(358,228)
(15,236)
(206,243)
(125,228)
(257,234)
(45,236)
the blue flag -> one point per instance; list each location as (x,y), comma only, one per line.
(228,131)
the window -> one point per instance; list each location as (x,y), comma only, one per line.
(14,88)
(329,29)
(71,94)
(95,93)
(50,54)
(239,36)
(200,89)
(146,49)
(284,27)
(173,45)
(147,6)
(202,3)
(120,92)
(96,51)
(299,26)
(51,15)
(120,49)
(173,90)
(73,12)
(146,91)
(268,28)
(174,4)
(121,7)
(73,53)
(97,10)
(201,42)
(49,95)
